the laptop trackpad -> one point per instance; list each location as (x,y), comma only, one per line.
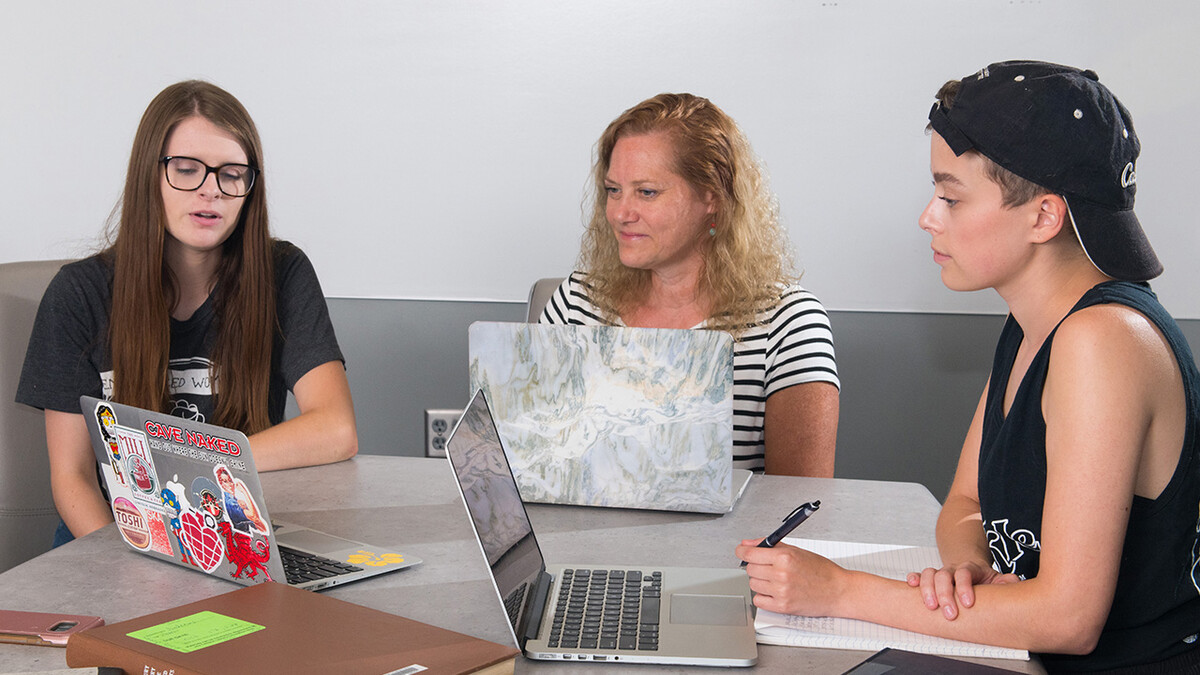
(708,610)
(314,542)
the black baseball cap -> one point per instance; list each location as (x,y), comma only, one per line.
(1058,127)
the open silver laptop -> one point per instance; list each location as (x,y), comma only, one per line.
(613,416)
(188,493)
(591,611)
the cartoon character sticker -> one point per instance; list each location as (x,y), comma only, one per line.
(208,496)
(108,419)
(211,504)
(175,508)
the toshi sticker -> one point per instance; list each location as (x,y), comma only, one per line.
(131,523)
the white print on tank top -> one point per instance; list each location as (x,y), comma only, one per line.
(1007,548)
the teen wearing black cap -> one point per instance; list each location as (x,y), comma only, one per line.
(1071,526)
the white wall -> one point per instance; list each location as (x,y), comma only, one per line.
(439,149)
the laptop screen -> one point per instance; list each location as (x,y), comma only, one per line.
(497,512)
(184,491)
(611,415)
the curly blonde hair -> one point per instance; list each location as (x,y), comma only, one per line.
(749,258)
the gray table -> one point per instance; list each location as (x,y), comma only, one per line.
(413,505)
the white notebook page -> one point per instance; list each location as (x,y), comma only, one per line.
(891,561)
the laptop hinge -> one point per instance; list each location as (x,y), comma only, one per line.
(537,603)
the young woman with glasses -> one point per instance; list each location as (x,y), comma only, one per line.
(194,309)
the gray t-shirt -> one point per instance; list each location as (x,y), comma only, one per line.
(68,354)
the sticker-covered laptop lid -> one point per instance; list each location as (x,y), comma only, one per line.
(611,416)
(184,491)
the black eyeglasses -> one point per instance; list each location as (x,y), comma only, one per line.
(188,174)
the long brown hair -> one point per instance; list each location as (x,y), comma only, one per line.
(145,289)
(747,260)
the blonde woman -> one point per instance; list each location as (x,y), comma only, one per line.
(684,233)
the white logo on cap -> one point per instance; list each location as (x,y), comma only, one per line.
(1128,175)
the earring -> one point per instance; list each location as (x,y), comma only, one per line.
(712,230)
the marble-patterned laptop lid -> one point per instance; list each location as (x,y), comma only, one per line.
(611,416)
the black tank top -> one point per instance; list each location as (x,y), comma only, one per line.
(1156,609)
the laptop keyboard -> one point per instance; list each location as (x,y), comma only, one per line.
(512,604)
(607,609)
(300,567)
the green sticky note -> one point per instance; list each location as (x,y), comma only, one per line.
(197,631)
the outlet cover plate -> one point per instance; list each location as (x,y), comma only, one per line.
(438,425)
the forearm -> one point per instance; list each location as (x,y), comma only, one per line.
(315,437)
(1020,615)
(79,503)
(73,481)
(1063,613)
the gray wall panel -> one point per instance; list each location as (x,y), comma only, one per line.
(404,356)
(910,381)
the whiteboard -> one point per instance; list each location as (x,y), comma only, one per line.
(440,149)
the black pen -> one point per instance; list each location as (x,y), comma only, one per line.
(793,519)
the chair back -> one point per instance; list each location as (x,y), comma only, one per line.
(27,514)
(539,295)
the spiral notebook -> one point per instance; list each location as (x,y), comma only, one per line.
(885,560)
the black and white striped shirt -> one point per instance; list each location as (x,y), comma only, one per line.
(790,344)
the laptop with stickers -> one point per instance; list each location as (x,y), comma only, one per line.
(590,611)
(613,415)
(188,493)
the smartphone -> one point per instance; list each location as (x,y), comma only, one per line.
(45,629)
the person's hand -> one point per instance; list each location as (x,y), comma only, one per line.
(953,586)
(790,580)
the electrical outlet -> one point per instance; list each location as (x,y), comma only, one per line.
(438,424)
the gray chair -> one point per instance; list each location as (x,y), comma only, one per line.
(539,295)
(27,514)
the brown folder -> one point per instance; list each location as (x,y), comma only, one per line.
(273,628)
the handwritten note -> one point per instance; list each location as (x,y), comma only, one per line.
(891,561)
(196,631)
